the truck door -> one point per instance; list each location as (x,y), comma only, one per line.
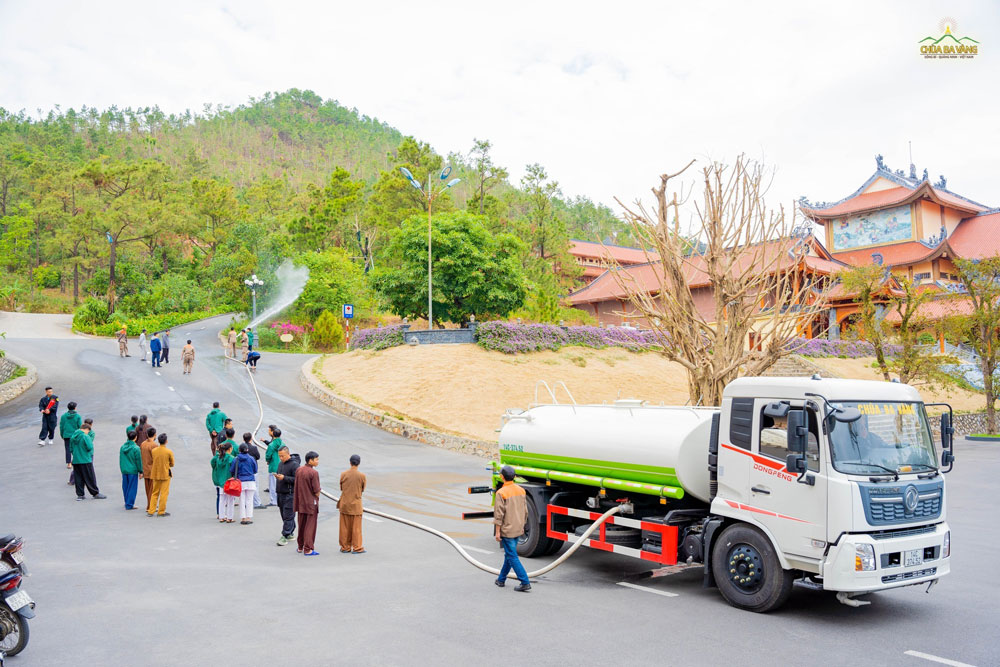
(794,512)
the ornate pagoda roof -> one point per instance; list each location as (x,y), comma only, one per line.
(908,188)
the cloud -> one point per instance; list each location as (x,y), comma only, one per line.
(605,96)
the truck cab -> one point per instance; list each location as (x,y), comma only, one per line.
(842,479)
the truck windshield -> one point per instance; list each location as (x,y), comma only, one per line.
(888,437)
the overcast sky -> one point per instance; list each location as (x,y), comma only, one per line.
(605,95)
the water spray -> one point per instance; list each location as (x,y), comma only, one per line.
(291,281)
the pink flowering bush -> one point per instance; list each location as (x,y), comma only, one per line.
(377,339)
(845,349)
(518,338)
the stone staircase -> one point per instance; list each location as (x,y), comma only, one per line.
(795,366)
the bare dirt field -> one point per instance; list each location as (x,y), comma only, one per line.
(464,389)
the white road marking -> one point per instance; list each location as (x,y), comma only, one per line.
(476,549)
(646,589)
(157,372)
(187,408)
(371,518)
(170,388)
(934,658)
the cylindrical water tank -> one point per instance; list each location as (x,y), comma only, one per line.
(663,446)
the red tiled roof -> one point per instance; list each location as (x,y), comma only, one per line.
(869,201)
(892,255)
(621,254)
(936,309)
(863,202)
(977,237)
(649,276)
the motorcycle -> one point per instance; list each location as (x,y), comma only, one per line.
(16,606)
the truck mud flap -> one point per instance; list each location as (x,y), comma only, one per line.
(711,527)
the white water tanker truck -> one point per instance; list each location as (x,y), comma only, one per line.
(827,483)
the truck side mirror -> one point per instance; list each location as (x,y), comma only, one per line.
(798,432)
(947,431)
(795,464)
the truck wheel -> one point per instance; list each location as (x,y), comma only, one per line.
(534,542)
(747,570)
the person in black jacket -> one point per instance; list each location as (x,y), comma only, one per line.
(285,488)
(255,453)
(48,406)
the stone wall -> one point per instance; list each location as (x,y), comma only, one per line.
(11,389)
(439,336)
(368,415)
(974,422)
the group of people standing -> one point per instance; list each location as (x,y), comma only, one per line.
(150,461)
(293,486)
(159,348)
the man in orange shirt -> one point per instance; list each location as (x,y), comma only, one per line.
(352,485)
(163,461)
(510,509)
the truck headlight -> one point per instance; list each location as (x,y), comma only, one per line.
(864,558)
(946,548)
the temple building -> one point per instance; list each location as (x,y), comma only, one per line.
(901,221)
(595,258)
(908,225)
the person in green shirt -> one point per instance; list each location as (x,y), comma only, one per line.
(131,427)
(214,422)
(224,503)
(68,424)
(130,463)
(272,460)
(82,446)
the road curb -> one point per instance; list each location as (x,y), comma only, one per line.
(379,419)
(13,388)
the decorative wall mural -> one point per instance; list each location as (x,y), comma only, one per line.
(885,226)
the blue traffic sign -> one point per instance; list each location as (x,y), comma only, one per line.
(348,311)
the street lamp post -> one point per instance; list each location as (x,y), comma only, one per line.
(253,282)
(430,194)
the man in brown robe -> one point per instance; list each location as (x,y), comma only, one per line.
(146,448)
(352,485)
(306,503)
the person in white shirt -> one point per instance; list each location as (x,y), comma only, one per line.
(142,344)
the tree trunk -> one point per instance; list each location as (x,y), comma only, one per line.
(76,284)
(111,277)
(989,366)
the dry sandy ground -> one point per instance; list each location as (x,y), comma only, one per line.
(861,369)
(465,389)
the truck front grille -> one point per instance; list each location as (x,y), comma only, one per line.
(906,532)
(903,576)
(889,512)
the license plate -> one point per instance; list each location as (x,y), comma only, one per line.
(17,556)
(18,600)
(913,557)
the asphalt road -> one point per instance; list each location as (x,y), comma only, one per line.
(116,588)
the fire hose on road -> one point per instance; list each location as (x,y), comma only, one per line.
(433,531)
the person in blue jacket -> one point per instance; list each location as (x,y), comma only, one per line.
(155,346)
(244,468)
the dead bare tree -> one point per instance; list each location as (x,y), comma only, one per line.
(747,269)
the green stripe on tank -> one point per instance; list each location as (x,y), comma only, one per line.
(627,471)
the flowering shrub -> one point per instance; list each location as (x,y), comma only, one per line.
(517,338)
(845,349)
(281,328)
(377,339)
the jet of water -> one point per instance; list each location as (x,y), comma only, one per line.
(291,281)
